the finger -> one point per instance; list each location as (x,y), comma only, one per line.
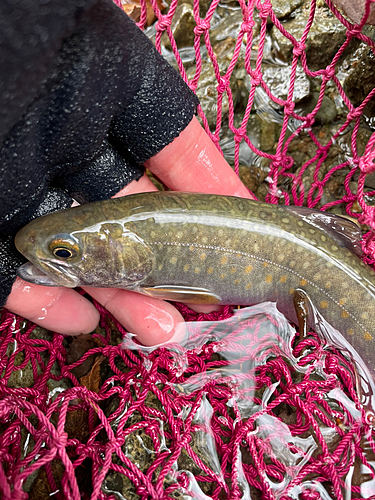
(153,321)
(193,163)
(141,186)
(58,309)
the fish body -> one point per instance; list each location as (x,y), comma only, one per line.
(198,248)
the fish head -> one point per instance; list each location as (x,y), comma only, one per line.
(105,254)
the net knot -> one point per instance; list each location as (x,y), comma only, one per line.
(247,26)
(328,74)
(203,26)
(368,243)
(299,49)
(222,85)
(256,78)
(163,23)
(239,135)
(61,441)
(264,10)
(289,107)
(330,460)
(310,495)
(115,444)
(309,121)
(356,113)
(331,364)
(278,161)
(366,165)
(354,31)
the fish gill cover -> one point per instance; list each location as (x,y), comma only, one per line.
(287,93)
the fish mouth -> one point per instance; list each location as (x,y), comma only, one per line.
(30,273)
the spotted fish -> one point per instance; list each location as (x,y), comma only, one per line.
(199,248)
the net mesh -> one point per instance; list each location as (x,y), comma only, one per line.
(84,418)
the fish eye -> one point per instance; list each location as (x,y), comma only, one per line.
(63,246)
(62,253)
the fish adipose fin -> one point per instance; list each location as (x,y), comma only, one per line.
(189,295)
(342,230)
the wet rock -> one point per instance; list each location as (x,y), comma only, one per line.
(283,8)
(228,26)
(120,486)
(198,444)
(326,113)
(207,93)
(133,9)
(41,488)
(277,79)
(183,24)
(360,80)
(326,35)
(77,347)
(252,176)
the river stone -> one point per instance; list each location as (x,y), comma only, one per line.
(326,35)
(182,26)
(326,113)
(277,80)
(228,26)
(283,8)
(207,93)
(360,79)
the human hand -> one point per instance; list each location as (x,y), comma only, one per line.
(190,163)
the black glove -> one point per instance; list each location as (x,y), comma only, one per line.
(86,101)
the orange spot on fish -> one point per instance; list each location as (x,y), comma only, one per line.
(323,304)
(303,282)
(367,336)
(224,260)
(233,270)
(210,270)
(283,278)
(345,314)
(269,278)
(265,264)
(350,331)
(248,269)
(203,256)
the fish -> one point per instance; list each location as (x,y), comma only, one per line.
(210,249)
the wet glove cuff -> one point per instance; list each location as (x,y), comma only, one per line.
(10,260)
(104,177)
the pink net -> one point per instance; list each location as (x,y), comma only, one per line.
(88,419)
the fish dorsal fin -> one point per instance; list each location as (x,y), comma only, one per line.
(189,295)
(344,231)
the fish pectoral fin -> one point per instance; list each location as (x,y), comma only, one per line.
(301,306)
(189,295)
